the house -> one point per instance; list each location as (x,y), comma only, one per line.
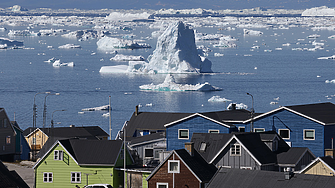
(249,150)
(39,137)
(320,166)
(10,179)
(310,125)
(13,147)
(79,162)
(241,178)
(182,168)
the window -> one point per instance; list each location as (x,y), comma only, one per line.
(47,177)
(235,149)
(183,134)
(202,147)
(75,177)
(258,130)
(241,129)
(8,140)
(213,131)
(284,133)
(148,152)
(309,134)
(173,166)
(5,123)
(162,185)
(157,152)
(58,155)
(246,167)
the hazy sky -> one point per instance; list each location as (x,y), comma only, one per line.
(158,4)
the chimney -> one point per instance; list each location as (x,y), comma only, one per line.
(233,106)
(288,173)
(189,146)
(329,152)
(136,110)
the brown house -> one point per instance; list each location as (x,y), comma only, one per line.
(182,168)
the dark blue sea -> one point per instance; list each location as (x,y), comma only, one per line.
(296,77)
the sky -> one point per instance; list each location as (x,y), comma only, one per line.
(175,4)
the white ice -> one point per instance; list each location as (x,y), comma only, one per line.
(330,57)
(116,16)
(57,63)
(108,43)
(238,106)
(218,99)
(69,46)
(252,32)
(104,107)
(330,81)
(121,57)
(319,11)
(169,84)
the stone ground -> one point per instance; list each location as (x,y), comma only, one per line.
(25,170)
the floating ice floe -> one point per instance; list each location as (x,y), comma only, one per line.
(119,16)
(218,99)
(105,114)
(252,32)
(169,84)
(237,106)
(51,60)
(225,44)
(273,103)
(330,57)
(120,57)
(106,43)
(23,33)
(3,46)
(218,55)
(10,42)
(57,63)
(104,107)
(313,36)
(69,46)
(330,81)
(319,11)
(332,37)
(84,35)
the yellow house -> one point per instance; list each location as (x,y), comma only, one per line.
(320,166)
(36,139)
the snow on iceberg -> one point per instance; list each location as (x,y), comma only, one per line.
(116,16)
(252,32)
(121,57)
(57,63)
(69,46)
(238,106)
(169,84)
(106,43)
(104,107)
(218,99)
(319,11)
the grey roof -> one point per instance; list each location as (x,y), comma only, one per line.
(198,165)
(229,115)
(10,178)
(330,161)
(147,138)
(323,112)
(237,178)
(93,152)
(89,132)
(293,155)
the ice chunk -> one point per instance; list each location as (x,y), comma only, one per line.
(114,69)
(104,107)
(69,46)
(107,43)
(319,11)
(51,60)
(330,57)
(120,57)
(10,42)
(218,99)
(116,16)
(169,84)
(57,63)
(252,32)
(238,106)
(330,81)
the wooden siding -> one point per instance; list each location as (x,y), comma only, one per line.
(305,160)
(319,168)
(244,160)
(62,172)
(185,177)
(5,131)
(41,138)
(195,124)
(140,150)
(297,124)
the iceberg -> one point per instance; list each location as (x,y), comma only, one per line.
(69,46)
(118,16)
(9,42)
(169,84)
(252,32)
(51,60)
(319,11)
(330,81)
(106,43)
(330,57)
(104,107)
(120,57)
(218,99)
(57,63)
(238,106)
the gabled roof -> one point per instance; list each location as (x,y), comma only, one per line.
(147,139)
(197,114)
(322,113)
(90,152)
(196,164)
(239,178)
(10,178)
(326,161)
(232,116)
(293,156)
(4,115)
(89,132)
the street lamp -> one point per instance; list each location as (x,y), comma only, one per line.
(45,112)
(251,113)
(52,118)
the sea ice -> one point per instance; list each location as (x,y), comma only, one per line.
(218,99)
(57,63)
(169,84)
(121,57)
(252,32)
(114,69)
(116,16)
(330,81)
(106,43)
(330,57)
(319,11)
(10,42)
(51,60)
(69,46)
(238,106)
(104,107)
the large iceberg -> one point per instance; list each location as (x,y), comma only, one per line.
(170,84)
(319,11)
(118,16)
(107,43)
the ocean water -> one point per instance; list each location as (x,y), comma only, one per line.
(296,77)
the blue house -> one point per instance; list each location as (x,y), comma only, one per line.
(310,125)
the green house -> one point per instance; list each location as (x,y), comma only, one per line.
(76,163)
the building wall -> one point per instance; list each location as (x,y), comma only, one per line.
(305,160)
(297,124)
(319,168)
(185,177)
(140,149)
(195,124)
(62,172)
(41,138)
(6,132)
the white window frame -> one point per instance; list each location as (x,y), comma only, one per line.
(188,134)
(153,154)
(308,130)
(157,151)
(58,155)
(76,176)
(233,150)
(158,184)
(259,129)
(289,133)
(8,140)
(239,129)
(47,176)
(213,131)
(173,161)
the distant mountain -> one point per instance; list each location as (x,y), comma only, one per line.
(175,4)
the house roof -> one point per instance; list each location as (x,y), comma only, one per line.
(10,178)
(239,178)
(233,116)
(89,132)
(327,161)
(322,113)
(196,164)
(293,155)
(147,139)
